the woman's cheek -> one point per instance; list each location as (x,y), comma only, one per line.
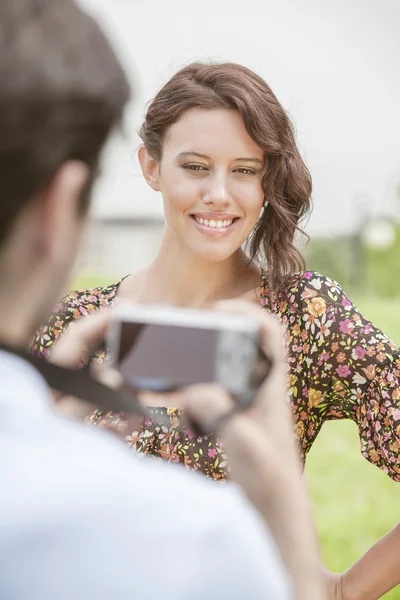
(250,198)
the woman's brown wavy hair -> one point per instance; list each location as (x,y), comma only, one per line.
(286,183)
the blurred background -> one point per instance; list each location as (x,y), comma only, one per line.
(334,65)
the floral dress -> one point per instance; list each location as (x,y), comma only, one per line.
(339,367)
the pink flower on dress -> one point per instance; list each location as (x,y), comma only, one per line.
(367,329)
(343,371)
(396,414)
(212,453)
(361,352)
(346,326)
(346,303)
(323,357)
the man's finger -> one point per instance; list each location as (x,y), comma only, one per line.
(109,377)
(272,331)
(206,403)
(80,339)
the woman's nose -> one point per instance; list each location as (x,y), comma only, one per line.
(217,192)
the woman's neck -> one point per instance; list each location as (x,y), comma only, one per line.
(179,278)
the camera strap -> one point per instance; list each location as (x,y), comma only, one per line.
(80,384)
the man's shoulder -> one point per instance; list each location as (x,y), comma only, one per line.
(152,483)
(81,462)
(91,472)
(76,450)
(63,473)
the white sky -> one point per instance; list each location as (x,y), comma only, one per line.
(334,65)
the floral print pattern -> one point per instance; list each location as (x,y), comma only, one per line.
(339,367)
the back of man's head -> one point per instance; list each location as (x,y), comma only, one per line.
(62,90)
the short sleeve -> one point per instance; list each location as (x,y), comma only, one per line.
(73,306)
(354,370)
(48,334)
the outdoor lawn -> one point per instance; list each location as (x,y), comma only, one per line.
(355,503)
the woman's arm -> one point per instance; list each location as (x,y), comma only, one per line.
(355,373)
(376,572)
(352,370)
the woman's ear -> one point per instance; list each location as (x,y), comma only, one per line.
(150,168)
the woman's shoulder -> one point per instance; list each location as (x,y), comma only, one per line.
(308,292)
(74,305)
(299,290)
(79,303)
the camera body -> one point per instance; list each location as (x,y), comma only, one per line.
(159,348)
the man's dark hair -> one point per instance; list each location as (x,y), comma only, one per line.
(62,90)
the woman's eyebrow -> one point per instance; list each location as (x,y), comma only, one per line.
(185,154)
(249,159)
(242,159)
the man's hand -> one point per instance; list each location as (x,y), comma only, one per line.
(263,456)
(269,414)
(73,351)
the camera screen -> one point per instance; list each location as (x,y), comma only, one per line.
(164,357)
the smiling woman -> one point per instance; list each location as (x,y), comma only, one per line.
(212,196)
(220,149)
(223,125)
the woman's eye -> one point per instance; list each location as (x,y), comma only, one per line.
(195,167)
(245,171)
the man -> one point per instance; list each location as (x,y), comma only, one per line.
(79,517)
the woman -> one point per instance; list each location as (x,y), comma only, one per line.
(220,148)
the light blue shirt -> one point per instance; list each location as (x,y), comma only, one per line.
(81,518)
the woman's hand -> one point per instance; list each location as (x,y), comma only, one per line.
(376,572)
(333,585)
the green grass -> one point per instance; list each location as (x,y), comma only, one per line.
(355,503)
(85,281)
(370,271)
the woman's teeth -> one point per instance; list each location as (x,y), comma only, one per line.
(212,222)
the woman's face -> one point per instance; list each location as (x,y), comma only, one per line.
(210,178)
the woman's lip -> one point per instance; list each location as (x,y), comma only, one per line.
(215,231)
(215,216)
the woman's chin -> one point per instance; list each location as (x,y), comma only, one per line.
(214,255)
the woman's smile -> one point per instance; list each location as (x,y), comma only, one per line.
(214,224)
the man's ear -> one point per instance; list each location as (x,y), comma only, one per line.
(150,168)
(61,216)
